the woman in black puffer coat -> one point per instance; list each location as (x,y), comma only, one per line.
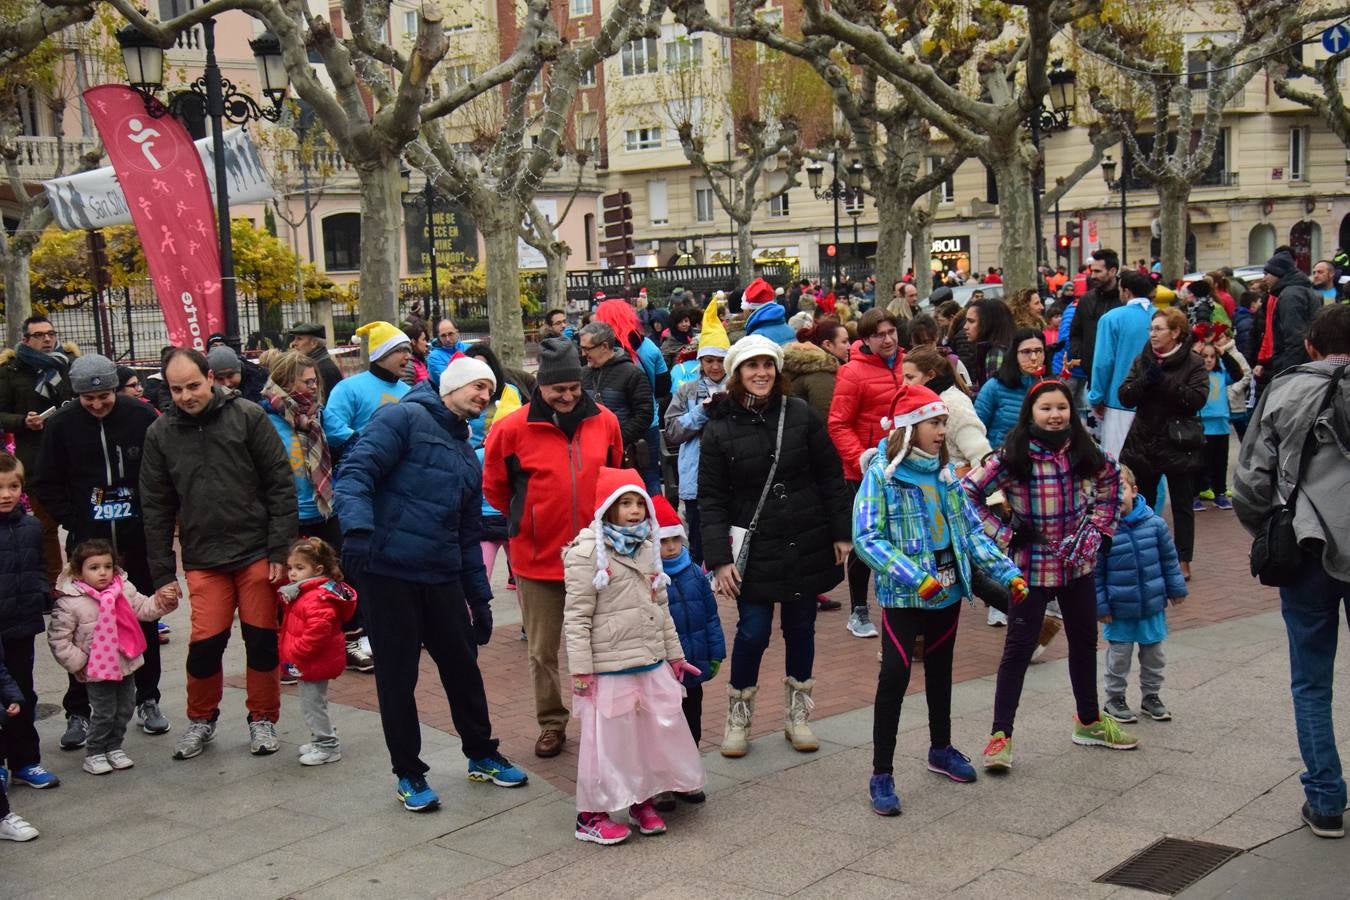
(801,540)
(1167,385)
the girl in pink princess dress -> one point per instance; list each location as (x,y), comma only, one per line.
(626,662)
(95,635)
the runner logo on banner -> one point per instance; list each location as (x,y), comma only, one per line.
(166,190)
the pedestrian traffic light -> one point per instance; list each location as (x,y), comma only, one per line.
(1071,231)
(1062,244)
(100,271)
(618,229)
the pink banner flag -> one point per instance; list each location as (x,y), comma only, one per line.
(166,190)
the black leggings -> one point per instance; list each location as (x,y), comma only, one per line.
(899,629)
(1216,464)
(858,573)
(1181,494)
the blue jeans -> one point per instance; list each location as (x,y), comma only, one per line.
(797,618)
(1312,610)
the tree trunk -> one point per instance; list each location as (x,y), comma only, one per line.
(555,278)
(921,254)
(1016,212)
(1173,197)
(745,254)
(500,233)
(893,221)
(381,214)
(18,298)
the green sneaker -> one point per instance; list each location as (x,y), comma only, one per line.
(1105,732)
(998,753)
(1206,494)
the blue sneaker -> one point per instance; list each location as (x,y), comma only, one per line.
(498,770)
(36,777)
(417,795)
(884,800)
(1223,502)
(951,762)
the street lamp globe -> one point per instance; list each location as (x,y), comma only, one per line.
(813,174)
(405,181)
(855,174)
(143,58)
(272,75)
(1109,169)
(1063,88)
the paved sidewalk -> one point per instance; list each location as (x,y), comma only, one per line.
(776,823)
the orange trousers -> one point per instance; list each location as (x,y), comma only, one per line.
(214,596)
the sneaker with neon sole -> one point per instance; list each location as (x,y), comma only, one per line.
(1105,732)
(416,795)
(998,753)
(497,769)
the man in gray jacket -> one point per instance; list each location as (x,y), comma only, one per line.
(1306,410)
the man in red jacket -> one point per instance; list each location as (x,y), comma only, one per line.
(863,390)
(540,466)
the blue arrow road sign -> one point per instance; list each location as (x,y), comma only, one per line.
(1336,38)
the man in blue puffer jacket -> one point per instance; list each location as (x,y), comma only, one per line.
(416,558)
(1137,576)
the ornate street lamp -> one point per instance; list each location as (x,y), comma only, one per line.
(1063,97)
(1119,184)
(835,191)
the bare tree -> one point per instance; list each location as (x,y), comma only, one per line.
(1326,99)
(362,67)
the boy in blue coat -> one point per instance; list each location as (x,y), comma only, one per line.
(694,610)
(1136,578)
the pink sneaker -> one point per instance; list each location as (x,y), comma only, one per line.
(648,822)
(599,828)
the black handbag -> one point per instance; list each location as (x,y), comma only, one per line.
(1186,434)
(1276,558)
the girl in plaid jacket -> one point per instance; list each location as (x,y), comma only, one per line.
(1064,496)
(914,527)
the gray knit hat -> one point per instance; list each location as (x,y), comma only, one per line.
(92,374)
(559,362)
(223,359)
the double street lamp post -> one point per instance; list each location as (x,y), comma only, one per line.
(427,199)
(1063,98)
(838,190)
(215,97)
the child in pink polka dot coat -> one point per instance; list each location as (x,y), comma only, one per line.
(96,636)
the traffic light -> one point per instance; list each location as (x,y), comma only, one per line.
(100,271)
(1062,244)
(1071,231)
(618,229)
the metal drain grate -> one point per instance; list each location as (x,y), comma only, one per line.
(1169,865)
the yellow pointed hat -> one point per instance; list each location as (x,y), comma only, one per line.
(382,338)
(712,340)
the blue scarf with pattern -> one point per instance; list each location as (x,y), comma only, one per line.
(626,539)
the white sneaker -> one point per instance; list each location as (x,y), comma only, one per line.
(860,625)
(119,760)
(97,764)
(14,827)
(996,619)
(303,749)
(262,737)
(317,756)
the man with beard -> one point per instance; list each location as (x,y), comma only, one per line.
(1103,295)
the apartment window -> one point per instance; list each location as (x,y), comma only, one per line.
(342,242)
(459,75)
(773,18)
(587,78)
(1298,154)
(581,7)
(946,190)
(410,21)
(588,225)
(658,204)
(703,204)
(642,139)
(639,57)
(1200,72)
(682,51)
(779,207)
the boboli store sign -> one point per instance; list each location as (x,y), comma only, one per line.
(952,253)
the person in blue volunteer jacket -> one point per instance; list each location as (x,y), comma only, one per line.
(770,320)
(1137,576)
(417,555)
(446,347)
(999,403)
(354,400)
(1122,334)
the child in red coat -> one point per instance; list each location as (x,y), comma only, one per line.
(317,603)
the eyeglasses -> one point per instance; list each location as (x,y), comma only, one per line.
(1034,351)
(42,334)
(586,351)
(310,382)
(885,335)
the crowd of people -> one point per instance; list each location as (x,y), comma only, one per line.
(1010,452)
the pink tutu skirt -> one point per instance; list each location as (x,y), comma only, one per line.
(635,741)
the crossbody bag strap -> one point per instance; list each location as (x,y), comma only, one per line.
(1308,438)
(768,484)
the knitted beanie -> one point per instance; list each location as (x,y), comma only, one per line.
(559,362)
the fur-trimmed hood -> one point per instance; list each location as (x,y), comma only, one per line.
(69,348)
(807,359)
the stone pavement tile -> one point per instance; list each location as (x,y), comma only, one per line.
(857,886)
(768,754)
(1194,728)
(518,835)
(423,871)
(389,829)
(131,877)
(509,879)
(924,797)
(1247,832)
(1028,806)
(850,729)
(1230,757)
(743,814)
(1252,877)
(1082,851)
(703,889)
(787,860)
(70,844)
(825,777)
(938,858)
(1115,772)
(265,876)
(214,849)
(1174,805)
(1003,884)
(1280,804)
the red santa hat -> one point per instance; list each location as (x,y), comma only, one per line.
(667,519)
(912,404)
(758,293)
(609,487)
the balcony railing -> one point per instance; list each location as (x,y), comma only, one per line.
(38,155)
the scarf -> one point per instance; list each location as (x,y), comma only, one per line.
(51,368)
(301,412)
(626,539)
(756,404)
(920,461)
(1050,440)
(1163,357)
(382,373)
(678,563)
(117,633)
(1267,351)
